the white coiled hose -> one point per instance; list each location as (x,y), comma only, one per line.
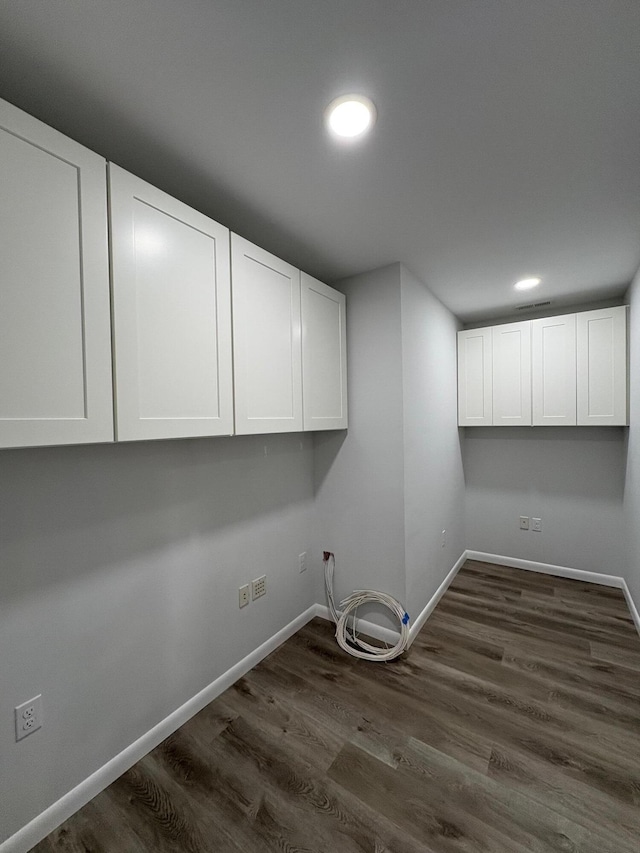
(346,636)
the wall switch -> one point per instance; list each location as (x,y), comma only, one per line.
(28,717)
(259,587)
(302,561)
(536,524)
(524,522)
(243,595)
(443,539)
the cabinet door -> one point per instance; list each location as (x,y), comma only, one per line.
(171,315)
(55,337)
(475,381)
(553,371)
(266,341)
(511,349)
(324,356)
(602,367)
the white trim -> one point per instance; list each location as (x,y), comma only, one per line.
(547,569)
(37,829)
(635,615)
(387,635)
(418,624)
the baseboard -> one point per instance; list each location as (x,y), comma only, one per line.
(635,615)
(418,623)
(562,572)
(47,821)
(547,569)
(387,635)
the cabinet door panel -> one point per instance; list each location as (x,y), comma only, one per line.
(511,346)
(324,356)
(602,367)
(55,348)
(475,381)
(266,341)
(171,312)
(553,345)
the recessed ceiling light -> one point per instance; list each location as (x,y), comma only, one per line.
(527,283)
(350,116)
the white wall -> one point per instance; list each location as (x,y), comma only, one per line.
(632,481)
(433,476)
(120,573)
(571,477)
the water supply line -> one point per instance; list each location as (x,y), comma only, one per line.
(346,634)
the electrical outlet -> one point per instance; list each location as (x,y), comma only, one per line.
(443,539)
(536,524)
(302,561)
(28,717)
(524,522)
(243,595)
(259,587)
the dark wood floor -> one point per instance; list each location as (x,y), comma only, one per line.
(512,725)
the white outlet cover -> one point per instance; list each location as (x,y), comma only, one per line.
(28,717)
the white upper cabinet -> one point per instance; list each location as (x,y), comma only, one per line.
(324,356)
(182,367)
(555,371)
(171,315)
(55,346)
(511,354)
(266,341)
(475,381)
(602,367)
(553,348)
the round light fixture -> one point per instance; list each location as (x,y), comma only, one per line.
(527,283)
(350,116)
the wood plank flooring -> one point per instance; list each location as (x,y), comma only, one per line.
(511,725)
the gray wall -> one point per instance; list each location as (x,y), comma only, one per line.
(386,490)
(579,480)
(571,477)
(121,563)
(120,573)
(632,482)
(433,476)
(360,474)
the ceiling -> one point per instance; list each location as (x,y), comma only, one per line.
(507,143)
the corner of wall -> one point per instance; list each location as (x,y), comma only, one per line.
(631,499)
(359,499)
(433,473)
